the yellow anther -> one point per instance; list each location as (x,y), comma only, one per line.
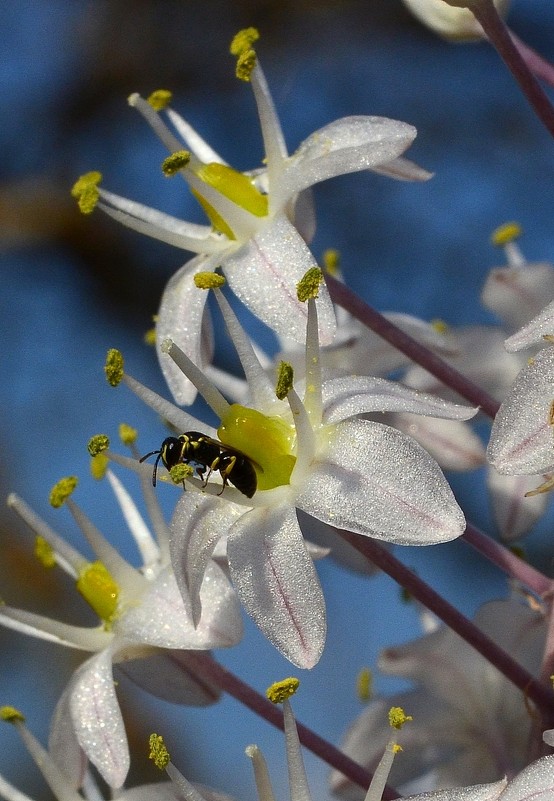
(552,679)
(127,434)
(396,748)
(440,326)
(98,466)
(150,337)
(245,64)
(44,552)
(98,444)
(364,684)
(505,233)
(308,286)
(114,367)
(281,690)
(160,99)
(158,751)
(208,280)
(100,590)
(85,191)
(179,472)
(285,377)
(551,414)
(397,717)
(177,161)
(10,714)
(243,40)
(61,491)
(331,260)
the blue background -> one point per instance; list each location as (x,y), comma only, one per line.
(72,287)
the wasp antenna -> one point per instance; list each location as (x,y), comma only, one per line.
(148,455)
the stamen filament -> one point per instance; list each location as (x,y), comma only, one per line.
(298,781)
(272,134)
(312,394)
(305,438)
(155,122)
(164,408)
(209,392)
(261,773)
(147,546)
(56,780)
(381,774)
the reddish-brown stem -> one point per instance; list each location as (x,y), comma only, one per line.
(538,65)
(221,677)
(533,689)
(418,353)
(498,35)
(507,561)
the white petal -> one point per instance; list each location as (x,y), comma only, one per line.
(277,583)
(180,319)
(166,674)
(457,24)
(515,515)
(540,326)
(403,170)
(264,274)
(346,145)
(534,783)
(517,294)
(199,521)
(63,745)
(451,442)
(44,628)
(97,719)
(373,480)
(349,396)
(522,438)
(476,792)
(162,619)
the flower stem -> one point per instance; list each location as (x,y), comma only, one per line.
(538,65)
(215,673)
(533,689)
(449,376)
(499,36)
(507,561)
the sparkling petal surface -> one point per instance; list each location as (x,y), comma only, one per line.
(522,438)
(374,480)
(264,274)
(534,783)
(277,582)
(451,442)
(540,326)
(346,145)
(97,719)
(517,294)
(514,514)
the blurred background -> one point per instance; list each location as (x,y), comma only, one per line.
(73,287)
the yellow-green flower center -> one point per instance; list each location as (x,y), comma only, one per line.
(267,441)
(234,185)
(100,591)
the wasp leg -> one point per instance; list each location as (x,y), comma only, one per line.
(225,471)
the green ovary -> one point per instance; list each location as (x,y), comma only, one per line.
(267,441)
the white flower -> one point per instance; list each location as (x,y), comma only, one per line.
(471,724)
(451,21)
(143,616)
(253,215)
(311,455)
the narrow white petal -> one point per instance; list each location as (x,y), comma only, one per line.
(11,793)
(373,480)
(514,514)
(517,294)
(199,521)
(277,583)
(162,618)
(264,274)
(540,326)
(349,396)
(167,674)
(63,745)
(403,169)
(180,319)
(192,139)
(346,145)
(522,437)
(97,719)
(451,442)
(44,628)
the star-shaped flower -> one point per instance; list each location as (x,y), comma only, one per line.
(146,627)
(255,216)
(470,723)
(311,454)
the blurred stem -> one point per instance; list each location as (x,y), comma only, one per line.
(418,353)
(538,65)
(534,690)
(207,667)
(499,36)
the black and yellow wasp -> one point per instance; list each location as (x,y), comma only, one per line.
(207,455)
